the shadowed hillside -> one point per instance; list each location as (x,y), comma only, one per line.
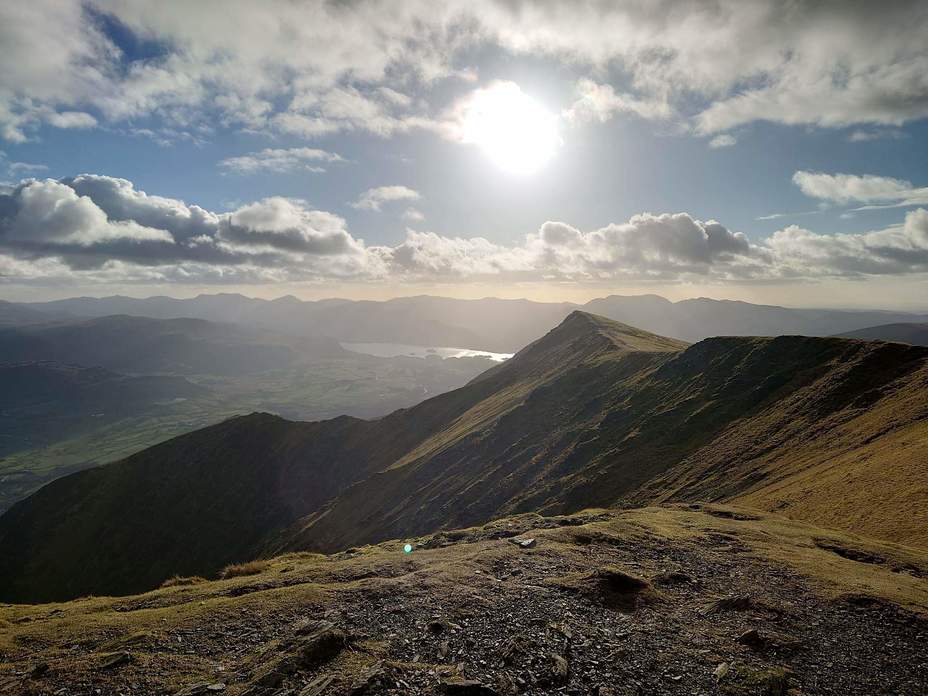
(916,334)
(593,414)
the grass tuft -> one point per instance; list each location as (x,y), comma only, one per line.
(178,581)
(239,569)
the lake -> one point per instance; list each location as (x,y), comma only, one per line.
(393,350)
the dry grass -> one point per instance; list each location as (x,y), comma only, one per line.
(178,581)
(240,569)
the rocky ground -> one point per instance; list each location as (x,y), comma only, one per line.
(677,600)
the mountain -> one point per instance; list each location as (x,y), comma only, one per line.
(595,413)
(43,401)
(145,345)
(671,600)
(486,324)
(916,334)
(12,314)
(489,324)
(699,318)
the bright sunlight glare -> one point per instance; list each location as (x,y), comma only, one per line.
(516,132)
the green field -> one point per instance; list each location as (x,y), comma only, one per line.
(354,384)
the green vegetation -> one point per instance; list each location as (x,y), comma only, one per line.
(319,388)
(594,413)
(241,569)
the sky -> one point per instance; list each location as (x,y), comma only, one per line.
(767,151)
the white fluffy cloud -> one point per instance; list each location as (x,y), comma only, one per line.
(316,67)
(874,191)
(280,160)
(896,250)
(105,230)
(375,198)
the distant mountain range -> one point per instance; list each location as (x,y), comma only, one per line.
(915,334)
(139,344)
(595,413)
(488,324)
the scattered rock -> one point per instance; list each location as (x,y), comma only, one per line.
(116,660)
(673,577)
(320,646)
(39,671)
(201,688)
(721,671)
(753,639)
(466,687)
(318,686)
(778,683)
(732,603)
(524,543)
(371,681)
(560,668)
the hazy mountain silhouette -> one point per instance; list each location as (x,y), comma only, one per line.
(487,324)
(915,334)
(145,345)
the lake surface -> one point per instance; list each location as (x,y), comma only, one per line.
(393,350)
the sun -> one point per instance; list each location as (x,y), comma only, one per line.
(516,132)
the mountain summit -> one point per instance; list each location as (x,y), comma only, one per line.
(595,413)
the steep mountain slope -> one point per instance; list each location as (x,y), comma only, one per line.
(593,414)
(916,334)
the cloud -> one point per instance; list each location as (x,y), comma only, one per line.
(48,216)
(864,136)
(92,222)
(71,119)
(374,198)
(413,215)
(103,229)
(724,140)
(279,161)
(315,68)
(599,103)
(19,168)
(895,250)
(288,225)
(876,191)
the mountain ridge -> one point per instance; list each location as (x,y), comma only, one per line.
(499,325)
(582,417)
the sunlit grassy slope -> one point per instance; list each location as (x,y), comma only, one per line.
(593,414)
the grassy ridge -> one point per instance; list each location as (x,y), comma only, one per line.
(594,413)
